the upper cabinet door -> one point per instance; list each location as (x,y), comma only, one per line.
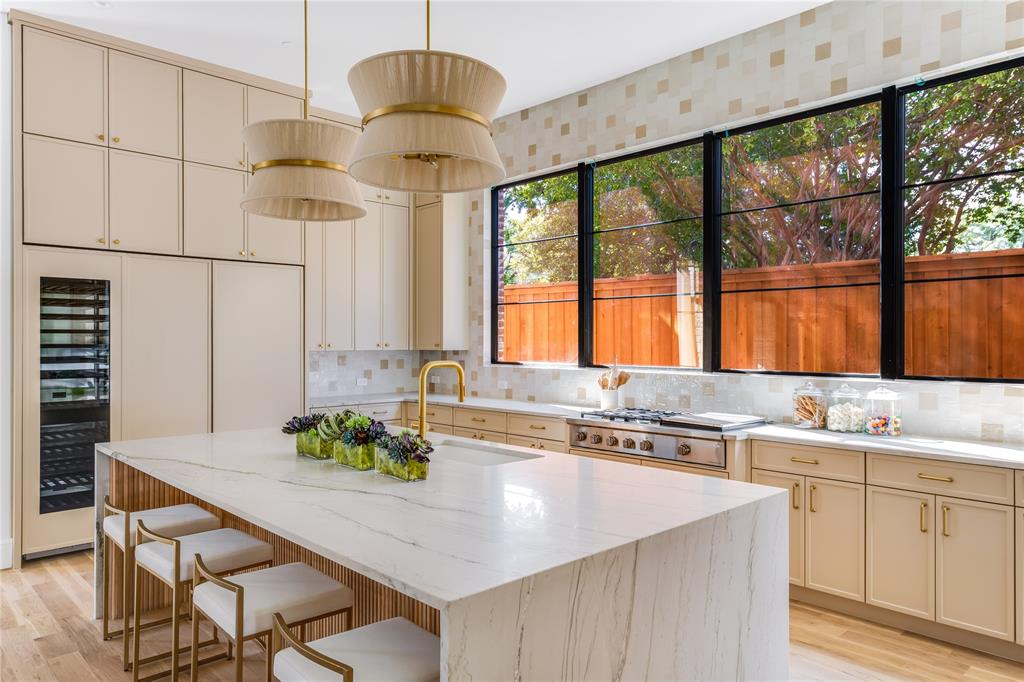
(395,278)
(65,193)
(427,199)
(64,90)
(214,222)
(974,566)
(214,115)
(274,241)
(145,105)
(145,203)
(367,272)
(339,293)
(313,287)
(262,105)
(427,313)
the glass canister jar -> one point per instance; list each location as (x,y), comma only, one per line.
(883,411)
(845,410)
(809,408)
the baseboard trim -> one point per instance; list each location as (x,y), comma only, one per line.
(875,614)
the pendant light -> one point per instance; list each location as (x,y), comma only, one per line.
(426,121)
(299,166)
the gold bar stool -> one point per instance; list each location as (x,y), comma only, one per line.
(395,650)
(244,606)
(179,519)
(171,561)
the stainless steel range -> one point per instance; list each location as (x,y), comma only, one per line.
(685,437)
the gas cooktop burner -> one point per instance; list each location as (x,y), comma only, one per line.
(631,414)
(711,421)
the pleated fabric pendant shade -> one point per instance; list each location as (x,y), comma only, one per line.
(300,171)
(426,121)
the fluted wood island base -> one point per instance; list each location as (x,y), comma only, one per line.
(557,567)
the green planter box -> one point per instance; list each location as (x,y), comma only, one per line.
(309,444)
(410,471)
(359,457)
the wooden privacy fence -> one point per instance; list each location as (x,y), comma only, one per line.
(772,320)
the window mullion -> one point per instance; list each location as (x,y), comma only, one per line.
(585,246)
(712,252)
(891,262)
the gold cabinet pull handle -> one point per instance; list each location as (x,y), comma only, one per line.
(813,488)
(241,253)
(478,419)
(945,521)
(116,242)
(102,240)
(924,511)
(930,477)
(801,460)
(538,427)
(796,496)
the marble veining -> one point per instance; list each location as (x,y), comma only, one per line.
(466,530)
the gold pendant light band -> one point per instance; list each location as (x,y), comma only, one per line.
(307,163)
(420,108)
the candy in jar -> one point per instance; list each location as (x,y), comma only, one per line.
(883,413)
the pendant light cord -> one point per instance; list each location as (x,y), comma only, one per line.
(428,24)
(305,59)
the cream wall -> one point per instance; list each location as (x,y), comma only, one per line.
(831,52)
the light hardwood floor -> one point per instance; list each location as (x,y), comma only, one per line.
(46,633)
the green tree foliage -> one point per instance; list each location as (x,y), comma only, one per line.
(965,128)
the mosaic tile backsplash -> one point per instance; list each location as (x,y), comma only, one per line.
(825,53)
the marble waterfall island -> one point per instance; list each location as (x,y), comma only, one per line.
(553,567)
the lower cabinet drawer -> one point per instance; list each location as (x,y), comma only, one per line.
(610,458)
(436,414)
(546,428)
(537,443)
(970,481)
(382,412)
(839,465)
(489,436)
(487,420)
(432,427)
(684,469)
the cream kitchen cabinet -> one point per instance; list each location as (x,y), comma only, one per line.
(381,272)
(1020,575)
(384,196)
(329,286)
(74,172)
(479,434)
(834,537)
(145,203)
(900,549)
(166,314)
(145,105)
(213,115)
(257,347)
(974,566)
(214,222)
(796,487)
(271,240)
(64,87)
(427,199)
(440,310)
(262,105)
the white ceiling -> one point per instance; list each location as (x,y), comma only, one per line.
(544,49)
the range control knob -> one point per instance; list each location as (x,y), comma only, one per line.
(581,436)
(683,449)
(611,440)
(595,439)
(646,445)
(628,443)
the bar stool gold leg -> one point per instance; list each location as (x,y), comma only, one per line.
(107,563)
(194,672)
(137,628)
(270,658)
(126,600)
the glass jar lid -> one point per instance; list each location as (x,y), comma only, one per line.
(808,388)
(883,393)
(846,391)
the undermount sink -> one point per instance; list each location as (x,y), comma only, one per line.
(480,455)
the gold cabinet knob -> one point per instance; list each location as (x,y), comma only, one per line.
(386,345)
(378,345)
(437,345)
(319,345)
(387,196)
(241,253)
(242,164)
(378,195)
(116,140)
(330,346)
(101,240)
(116,242)
(101,137)
(252,253)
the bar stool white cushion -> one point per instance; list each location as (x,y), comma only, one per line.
(223,549)
(393,650)
(179,519)
(296,590)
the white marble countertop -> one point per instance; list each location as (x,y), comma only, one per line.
(518,406)
(465,530)
(968,452)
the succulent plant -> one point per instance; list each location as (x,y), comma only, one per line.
(361,430)
(303,423)
(405,446)
(333,425)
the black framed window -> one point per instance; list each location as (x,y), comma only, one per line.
(963,227)
(536,283)
(801,239)
(880,236)
(648,240)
